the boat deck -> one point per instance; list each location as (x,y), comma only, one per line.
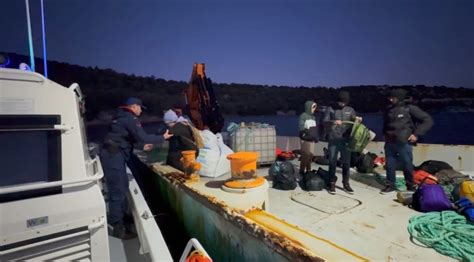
(126,250)
(367,223)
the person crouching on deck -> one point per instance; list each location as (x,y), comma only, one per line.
(308,134)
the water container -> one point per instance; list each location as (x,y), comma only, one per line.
(257,138)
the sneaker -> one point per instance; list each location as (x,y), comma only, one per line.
(332,188)
(119,231)
(388,189)
(348,188)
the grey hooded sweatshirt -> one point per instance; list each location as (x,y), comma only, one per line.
(307,124)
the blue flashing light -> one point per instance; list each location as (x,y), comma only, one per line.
(30,38)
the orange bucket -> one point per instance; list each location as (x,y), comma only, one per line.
(243,165)
(189,156)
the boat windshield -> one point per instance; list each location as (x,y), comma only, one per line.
(30,152)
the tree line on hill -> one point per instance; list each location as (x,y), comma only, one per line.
(105,89)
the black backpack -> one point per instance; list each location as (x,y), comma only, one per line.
(434,166)
(315,180)
(283,174)
(365,163)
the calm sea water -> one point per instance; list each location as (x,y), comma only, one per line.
(449,128)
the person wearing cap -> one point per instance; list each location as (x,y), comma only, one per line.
(338,134)
(182,139)
(124,132)
(400,133)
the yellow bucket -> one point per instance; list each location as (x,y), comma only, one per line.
(243,165)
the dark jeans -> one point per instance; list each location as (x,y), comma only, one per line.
(114,166)
(336,146)
(398,152)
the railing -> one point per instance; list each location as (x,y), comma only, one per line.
(149,234)
(61,127)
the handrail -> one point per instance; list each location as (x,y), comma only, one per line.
(149,234)
(77,89)
(14,189)
(53,128)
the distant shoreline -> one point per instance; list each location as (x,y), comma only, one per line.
(154,119)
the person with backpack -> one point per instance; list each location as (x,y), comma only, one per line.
(308,134)
(338,134)
(403,124)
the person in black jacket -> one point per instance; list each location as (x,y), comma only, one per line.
(181,140)
(124,131)
(338,139)
(400,133)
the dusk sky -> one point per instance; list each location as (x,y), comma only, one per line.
(272,42)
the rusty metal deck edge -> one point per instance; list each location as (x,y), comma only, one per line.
(282,245)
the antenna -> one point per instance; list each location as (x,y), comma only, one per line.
(30,38)
(45,61)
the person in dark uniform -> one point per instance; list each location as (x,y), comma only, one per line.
(124,131)
(400,133)
(181,140)
(338,139)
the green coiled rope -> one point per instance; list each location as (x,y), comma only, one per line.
(447,232)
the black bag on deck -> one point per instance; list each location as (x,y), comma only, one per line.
(434,166)
(356,157)
(365,163)
(321,160)
(315,180)
(283,174)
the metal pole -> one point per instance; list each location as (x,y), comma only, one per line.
(30,38)
(45,61)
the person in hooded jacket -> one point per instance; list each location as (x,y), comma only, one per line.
(124,132)
(338,133)
(400,133)
(181,140)
(308,134)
